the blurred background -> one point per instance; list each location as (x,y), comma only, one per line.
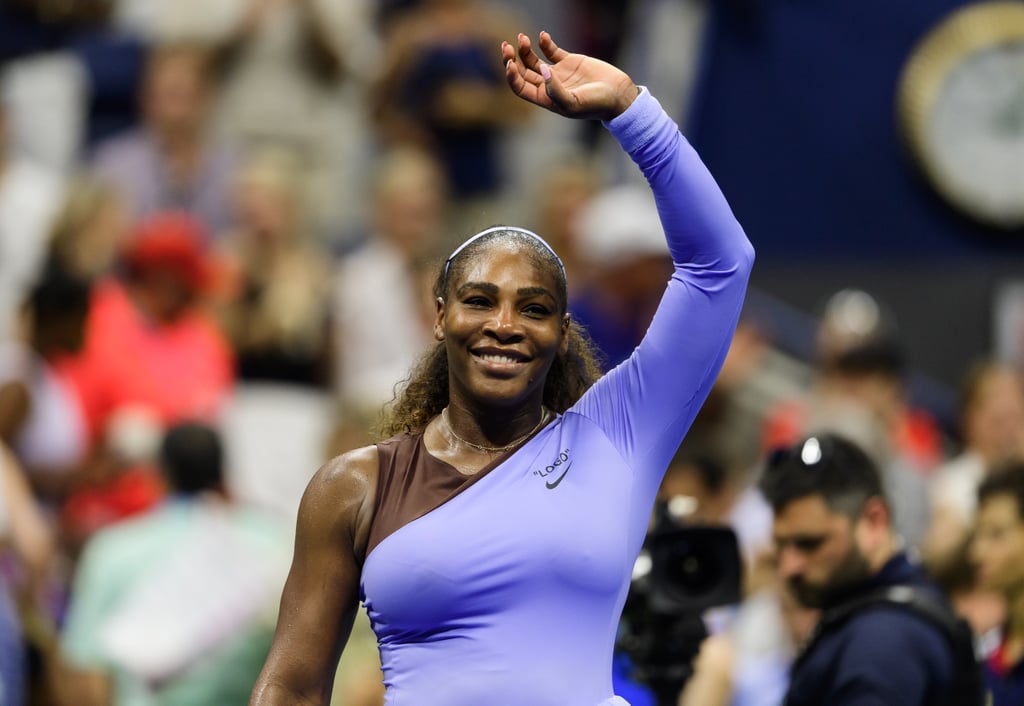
(219,222)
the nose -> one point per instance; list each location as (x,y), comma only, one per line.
(503,325)
(791,562)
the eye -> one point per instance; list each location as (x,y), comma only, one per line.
(536,310)
(808,544)
(476,300)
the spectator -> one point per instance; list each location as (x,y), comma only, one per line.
(409,212)
(860,359)
(566,186)
(991,432)
(40,412)
(295,75)
(998,550)
(440,88)
(619,237)
(277,319)
(171,162)
(748,663)
(835,543)
(859,390)
(291,75)
(90,229)
(175,606)
(148,343)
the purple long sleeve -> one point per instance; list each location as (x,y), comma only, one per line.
(647,403)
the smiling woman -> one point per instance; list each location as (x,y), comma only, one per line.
(502,296)
(491,533)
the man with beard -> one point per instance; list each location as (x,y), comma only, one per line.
(837,551)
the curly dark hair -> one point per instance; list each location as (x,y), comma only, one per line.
(424,393)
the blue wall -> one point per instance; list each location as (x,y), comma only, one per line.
(795,114)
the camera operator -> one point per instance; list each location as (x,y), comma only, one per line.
(886,635)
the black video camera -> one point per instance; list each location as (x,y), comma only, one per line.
(682,571)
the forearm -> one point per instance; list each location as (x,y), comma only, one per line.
(269,692)
(699,224)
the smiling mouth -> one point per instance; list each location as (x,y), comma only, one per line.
(500,359)
(500,363)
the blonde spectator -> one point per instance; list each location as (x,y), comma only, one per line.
(409,209)
(277,319)
(90,228)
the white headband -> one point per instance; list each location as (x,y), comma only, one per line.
(496,229)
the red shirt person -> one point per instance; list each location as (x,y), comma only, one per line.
(149,344)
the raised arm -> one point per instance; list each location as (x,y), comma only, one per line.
(321,595)
(646,405)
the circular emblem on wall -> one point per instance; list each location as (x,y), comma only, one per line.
(961,109)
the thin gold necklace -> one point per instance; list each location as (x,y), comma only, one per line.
(494,449)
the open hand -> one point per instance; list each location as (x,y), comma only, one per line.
(573,85)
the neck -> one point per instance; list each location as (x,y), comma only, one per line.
(886,551)
(483,432)
(178,144)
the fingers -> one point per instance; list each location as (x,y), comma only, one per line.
(530,60)
(512,73)
(507,53)
(517,77)
(531,78)
(552,51)
(525,81)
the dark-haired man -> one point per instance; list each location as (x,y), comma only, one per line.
(837,551)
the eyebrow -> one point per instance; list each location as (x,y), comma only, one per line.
(798,538)
(493,289)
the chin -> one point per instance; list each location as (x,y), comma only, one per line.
(502,390)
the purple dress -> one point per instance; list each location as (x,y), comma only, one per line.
(509,592)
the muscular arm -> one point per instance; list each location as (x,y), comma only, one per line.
(321,595)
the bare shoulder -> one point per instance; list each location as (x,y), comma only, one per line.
(341,495)
(346,473)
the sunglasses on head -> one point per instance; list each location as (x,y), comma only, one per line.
(814,451)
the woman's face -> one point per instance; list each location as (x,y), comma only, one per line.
(997,548)
(502,325)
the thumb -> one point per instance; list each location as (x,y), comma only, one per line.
(553,87)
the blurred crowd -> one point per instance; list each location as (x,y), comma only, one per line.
(218,227)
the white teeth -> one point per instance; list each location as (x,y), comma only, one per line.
(498,358)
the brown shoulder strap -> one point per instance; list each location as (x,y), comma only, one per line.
(410,483)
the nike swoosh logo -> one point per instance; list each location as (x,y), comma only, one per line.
(552,484)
